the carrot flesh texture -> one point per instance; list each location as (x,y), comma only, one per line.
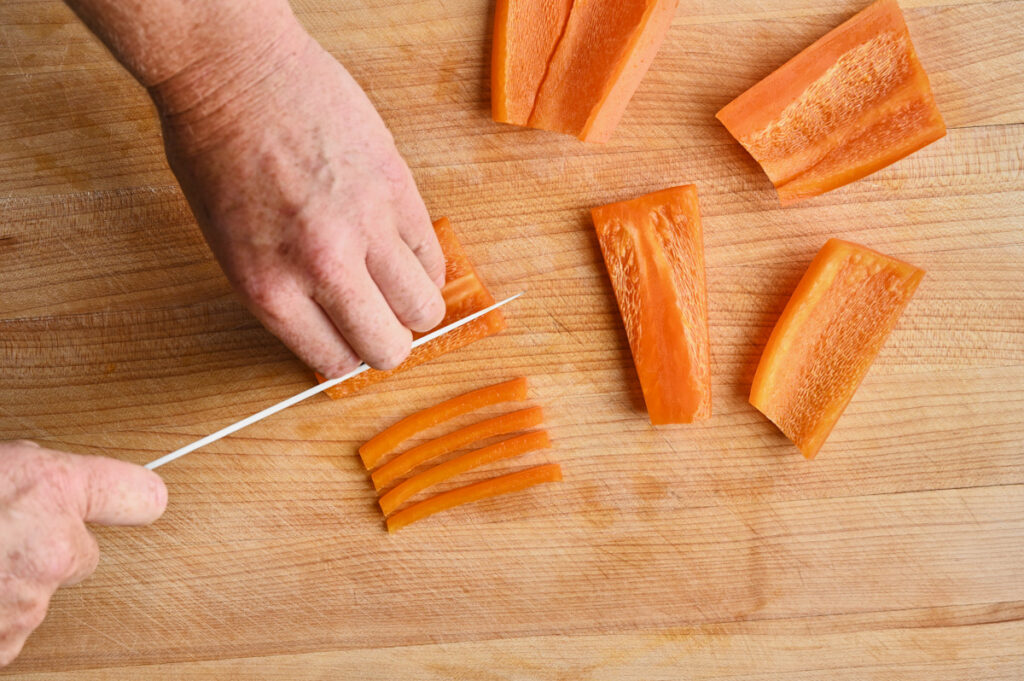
(834,325)
(387,440)
(604,53)
(852,103)
(504,484)
(464,293)
(506,449)
(653,247)
(446,444)
(525,35)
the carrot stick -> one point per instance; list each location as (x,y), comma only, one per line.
(505,449)
(493,487)
(388,439)
(499,425)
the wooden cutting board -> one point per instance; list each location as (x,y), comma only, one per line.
(706,551)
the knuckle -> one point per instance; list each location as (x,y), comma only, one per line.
(56,558)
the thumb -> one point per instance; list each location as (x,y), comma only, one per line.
(117,492)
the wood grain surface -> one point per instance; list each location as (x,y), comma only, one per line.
(709,551)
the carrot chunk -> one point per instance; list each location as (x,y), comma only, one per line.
(506,449)
(835,323)
(446,444)
(852,103)
(388,439)
(505,484)
(653,247)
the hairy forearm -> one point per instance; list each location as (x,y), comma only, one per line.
(187,51)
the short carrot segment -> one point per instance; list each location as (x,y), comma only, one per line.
(506,449)
(827,337)
(446,444)
(505,484)
(388,439)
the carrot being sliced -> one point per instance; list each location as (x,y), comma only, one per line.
(464,293)
(505,484)
(388,439)
(506,449)
(852,103)
(653,247)
(835,323)
(446,444)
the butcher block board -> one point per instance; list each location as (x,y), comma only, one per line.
(708,551)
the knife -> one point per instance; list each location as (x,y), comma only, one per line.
(269,411)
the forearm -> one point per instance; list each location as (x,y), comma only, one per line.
(186,51)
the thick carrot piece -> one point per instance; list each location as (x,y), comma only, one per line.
(852,103)
(525,36)
(446,444)
(464,293)
(505,484)
(506,449)
(388,439)
(835,323)
(653,247)
(604,53)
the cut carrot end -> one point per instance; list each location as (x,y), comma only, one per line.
(446,444)
(505,484)
(390,438)
(830,332)
(506,449)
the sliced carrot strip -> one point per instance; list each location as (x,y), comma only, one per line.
(852,103)
(446,444)
(388,439)
(505,484)
(464,293)
(506,449)
(827,337)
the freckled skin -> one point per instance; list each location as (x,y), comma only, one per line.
(46,499)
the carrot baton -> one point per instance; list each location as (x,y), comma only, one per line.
(446,444)
(388,439)
(505,449)
(505,484)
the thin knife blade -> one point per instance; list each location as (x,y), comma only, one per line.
(295,399)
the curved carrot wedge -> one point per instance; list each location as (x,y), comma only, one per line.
(499,425)
(388,439)
(505,484)
(506,449)
(827,337)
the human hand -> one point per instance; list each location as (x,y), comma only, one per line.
(46,497)
(305,201)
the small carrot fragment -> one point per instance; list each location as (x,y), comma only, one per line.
(505,449)
(388,439)
(499,425)
(504,484)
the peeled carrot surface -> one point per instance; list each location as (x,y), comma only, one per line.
(446,444)
(835,323)
(388,440)
(852,103)
(653,247)
(506,449)
(464,293)
(504,484)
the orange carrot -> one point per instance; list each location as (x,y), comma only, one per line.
(493,487)
(446,444)
(388,439)
(506,449)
